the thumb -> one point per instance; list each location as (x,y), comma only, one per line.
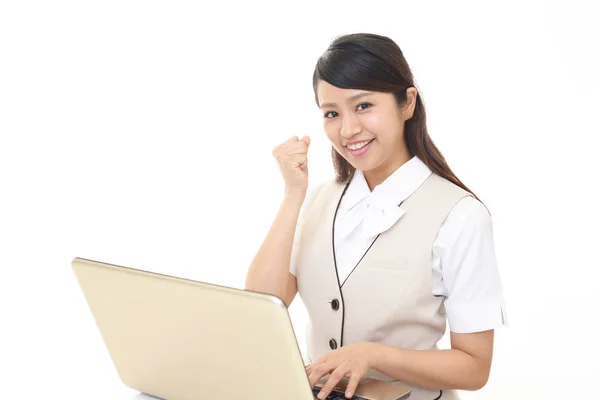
(306,140)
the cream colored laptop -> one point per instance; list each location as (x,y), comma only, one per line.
(180,339)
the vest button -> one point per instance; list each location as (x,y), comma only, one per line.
(333,344)
(335,304)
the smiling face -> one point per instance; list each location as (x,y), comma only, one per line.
(366,128)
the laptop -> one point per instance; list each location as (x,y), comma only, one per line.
(181,339)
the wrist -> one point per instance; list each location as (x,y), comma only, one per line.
(375,354)
(295,197)
(382,356)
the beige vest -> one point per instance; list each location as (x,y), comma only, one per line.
(388,296)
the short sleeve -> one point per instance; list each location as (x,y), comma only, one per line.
(298,233)
(470,280)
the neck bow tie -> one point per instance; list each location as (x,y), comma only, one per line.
(374,217)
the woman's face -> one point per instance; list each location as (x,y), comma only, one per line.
(366,128)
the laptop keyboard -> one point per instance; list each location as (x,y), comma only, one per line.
(335,395)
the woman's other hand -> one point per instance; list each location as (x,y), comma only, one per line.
(353,361)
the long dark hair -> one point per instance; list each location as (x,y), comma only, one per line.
(372,62)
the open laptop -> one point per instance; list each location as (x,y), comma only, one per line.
(180,339)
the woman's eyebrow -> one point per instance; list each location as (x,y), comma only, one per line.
(350,99)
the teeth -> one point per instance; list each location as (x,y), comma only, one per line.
(357,146)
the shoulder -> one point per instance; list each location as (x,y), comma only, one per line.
(319,194)
(328,185)
(470,211)
(465,202)
(315,191)
(445,184)
(467,222)
(324,189)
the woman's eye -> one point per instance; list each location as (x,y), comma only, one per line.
(333,114)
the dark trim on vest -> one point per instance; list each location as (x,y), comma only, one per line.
(439,397)
(335,261)
(363,256)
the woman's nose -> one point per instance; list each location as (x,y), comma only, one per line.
(350,127)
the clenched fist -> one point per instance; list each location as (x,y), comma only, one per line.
(291,157)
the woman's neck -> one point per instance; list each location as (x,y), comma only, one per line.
(378,175)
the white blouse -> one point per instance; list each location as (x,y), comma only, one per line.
(464,261)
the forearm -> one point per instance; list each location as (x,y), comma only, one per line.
(433,369)
(269,271)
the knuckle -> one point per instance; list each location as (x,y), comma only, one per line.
(320,369)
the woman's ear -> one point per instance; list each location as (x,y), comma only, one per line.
(411,102)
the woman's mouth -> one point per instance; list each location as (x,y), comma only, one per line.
(360,148)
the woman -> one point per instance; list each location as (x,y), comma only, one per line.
(392,249)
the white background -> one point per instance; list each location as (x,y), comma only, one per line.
(140,133)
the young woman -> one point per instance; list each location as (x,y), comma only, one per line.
(393,249)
